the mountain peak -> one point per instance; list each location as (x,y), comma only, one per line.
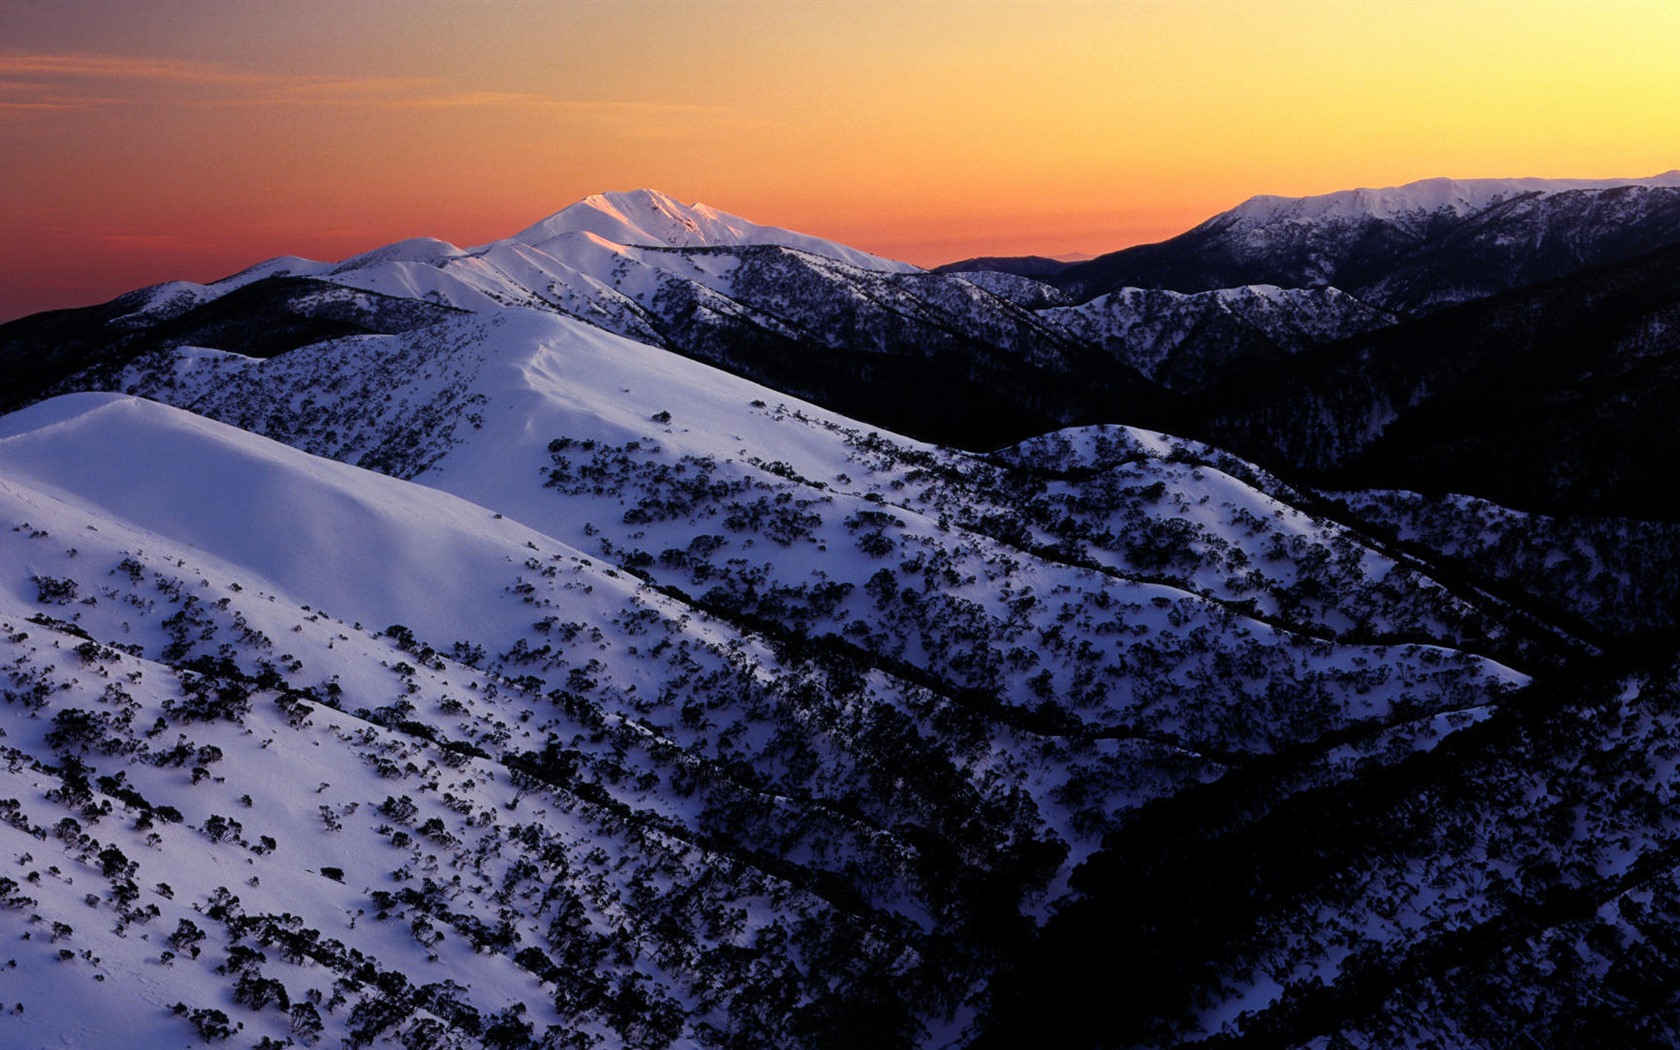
(644,217)
(650,218)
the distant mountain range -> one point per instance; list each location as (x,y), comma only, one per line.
(1409,249)
(1208,334)
(659,629)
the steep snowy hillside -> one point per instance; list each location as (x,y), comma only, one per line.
(1410,249)
(474,406)
(661,709)
(287,820)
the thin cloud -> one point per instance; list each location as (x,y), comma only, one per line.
(121,67)
(36,82)
(19,92)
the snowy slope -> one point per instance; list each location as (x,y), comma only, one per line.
(497,817)
(539,702)
(519,411)
(368,870)
(280,518)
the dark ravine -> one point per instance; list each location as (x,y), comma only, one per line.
(1553,399)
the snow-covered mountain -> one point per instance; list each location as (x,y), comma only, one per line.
(609,725)
(458,648)
(648,218)
(589,239)
(1409,249)
(812,318)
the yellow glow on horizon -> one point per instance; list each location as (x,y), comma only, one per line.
(927,131)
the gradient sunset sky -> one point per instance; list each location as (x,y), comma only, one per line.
(143,141)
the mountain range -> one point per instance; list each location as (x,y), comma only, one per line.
(659,629)
(1410,249)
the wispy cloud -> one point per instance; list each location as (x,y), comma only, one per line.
(74,66)
(52,81)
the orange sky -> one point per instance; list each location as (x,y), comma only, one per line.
(144,141)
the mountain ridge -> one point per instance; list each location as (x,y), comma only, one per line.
(551,645)
(808,742)
(1361,240)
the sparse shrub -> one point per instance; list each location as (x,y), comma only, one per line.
(50,590)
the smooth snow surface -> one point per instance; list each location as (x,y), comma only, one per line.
(343,538)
